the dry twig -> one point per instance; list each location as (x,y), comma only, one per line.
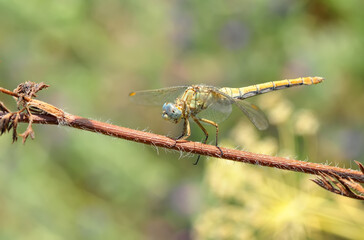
(338,180)
(339,185)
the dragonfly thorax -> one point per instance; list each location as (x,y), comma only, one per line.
(171,112)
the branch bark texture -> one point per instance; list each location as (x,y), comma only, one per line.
(194,147)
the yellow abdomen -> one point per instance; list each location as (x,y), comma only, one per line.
(250,91)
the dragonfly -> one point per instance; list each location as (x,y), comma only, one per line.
(211,105)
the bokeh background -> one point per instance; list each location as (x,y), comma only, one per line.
(71,184)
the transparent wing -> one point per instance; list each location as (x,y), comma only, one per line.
(158,96)
(255,115)
(219,106)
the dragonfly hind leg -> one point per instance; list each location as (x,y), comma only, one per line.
(197,120)
(217,132)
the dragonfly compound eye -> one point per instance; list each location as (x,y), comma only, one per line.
(171,112)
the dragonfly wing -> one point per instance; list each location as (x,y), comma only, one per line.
(219,105)
(158,96)
(219,108)
(256,116)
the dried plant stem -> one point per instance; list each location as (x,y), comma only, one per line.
(192,147)
(334,179)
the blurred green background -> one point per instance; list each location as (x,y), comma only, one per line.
(71,184)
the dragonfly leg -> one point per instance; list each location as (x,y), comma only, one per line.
(212,123)
(217,131)
(186,125)
(204,130)
(186,130)
(197,120)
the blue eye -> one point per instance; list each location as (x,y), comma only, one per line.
(171,112)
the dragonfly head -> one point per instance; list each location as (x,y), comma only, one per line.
(171,112)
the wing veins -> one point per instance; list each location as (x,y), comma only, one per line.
(255,115)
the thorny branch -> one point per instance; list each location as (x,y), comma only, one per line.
(337,180)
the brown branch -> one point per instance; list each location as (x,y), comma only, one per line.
(35,111)
(193,147)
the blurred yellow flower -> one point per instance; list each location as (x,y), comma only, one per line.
(260,203)
(280,113)
(305,122)
(277,108)
(246,135)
